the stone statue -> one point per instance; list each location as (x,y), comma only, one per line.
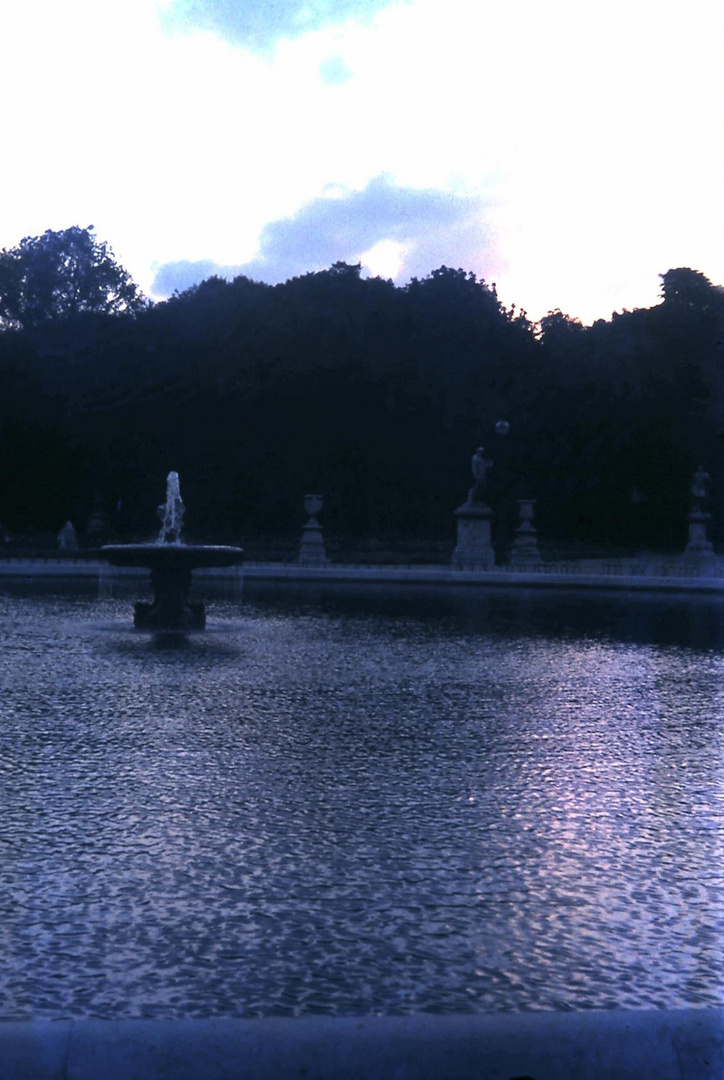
(67,539)
(479,467)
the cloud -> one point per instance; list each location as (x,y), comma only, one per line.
(178,276)
(333,71)
(259,24)
(413,230)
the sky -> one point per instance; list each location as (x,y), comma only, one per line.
(570,151)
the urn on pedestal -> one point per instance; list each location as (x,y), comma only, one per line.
(311,548)
(525,546)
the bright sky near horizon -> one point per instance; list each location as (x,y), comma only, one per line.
(570,151)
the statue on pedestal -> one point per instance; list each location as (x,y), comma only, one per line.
(474,550)
(476,495)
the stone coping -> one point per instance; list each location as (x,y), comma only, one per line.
(671,575)
(671,578)
(679,1044)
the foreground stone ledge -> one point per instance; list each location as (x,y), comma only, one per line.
(681,1044)
(544,576)
(612,575)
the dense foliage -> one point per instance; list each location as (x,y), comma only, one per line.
(61,276)
(371,394)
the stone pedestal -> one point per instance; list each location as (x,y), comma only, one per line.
(699,548)
(97,528)
(474,550)
(311,548)
(170,609)
(525,546)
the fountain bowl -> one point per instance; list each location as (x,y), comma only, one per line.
(171,566)
(173,556)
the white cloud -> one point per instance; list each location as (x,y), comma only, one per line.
(385,259)
(394,231)
(591,132)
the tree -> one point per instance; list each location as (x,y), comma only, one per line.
(61,275)
(559,330)
(688,288)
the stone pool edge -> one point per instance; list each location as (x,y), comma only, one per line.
(674,575)
(666,1044)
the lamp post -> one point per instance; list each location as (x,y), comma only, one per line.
(500,533)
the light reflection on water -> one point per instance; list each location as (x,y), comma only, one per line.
(362,802)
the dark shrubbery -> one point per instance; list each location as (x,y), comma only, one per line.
(374,396)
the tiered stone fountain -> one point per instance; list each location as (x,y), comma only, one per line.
(171,563)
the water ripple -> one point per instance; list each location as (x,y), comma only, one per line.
(355,811)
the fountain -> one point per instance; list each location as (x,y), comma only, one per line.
(171,563)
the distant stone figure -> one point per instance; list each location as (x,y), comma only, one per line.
(699,490)
(479,467)
(67,539)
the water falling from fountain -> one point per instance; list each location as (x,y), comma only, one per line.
(171,512)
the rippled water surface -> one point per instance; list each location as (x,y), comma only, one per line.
(362,802)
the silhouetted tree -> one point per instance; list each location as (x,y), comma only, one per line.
(61,275)
(689,288)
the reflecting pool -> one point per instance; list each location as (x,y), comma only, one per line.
(352,801)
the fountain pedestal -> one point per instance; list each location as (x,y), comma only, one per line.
(171,562)
(171,566)
(170,607)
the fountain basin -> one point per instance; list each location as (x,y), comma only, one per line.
(178,556)
(171,566)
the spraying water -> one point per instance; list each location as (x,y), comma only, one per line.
(171,512)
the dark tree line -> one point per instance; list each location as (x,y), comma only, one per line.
(371,394)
